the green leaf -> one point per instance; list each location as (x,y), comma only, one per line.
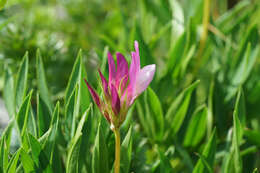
(43,116)
(77,76)
(49,144)
(126,150)
(237,137)
(21,81)
(232,160)
(41,81)
(11,168)
(71,112)
(146,123)
(72,160)
(178,109)
(5,146)
(196,127)
(100,154)
(243,71)
(176,53)
(208,155)
(164,164)
(8,92)
(87,140)
(72,164)
(27,162)
(40,159)
(205,163)
(154,111)
(23,114)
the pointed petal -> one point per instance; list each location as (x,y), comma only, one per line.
(144,78)
(135,64)
(94,95)
(115,100)
(137,54)
(112,69)
(122,71)
(104,83)
(133,69)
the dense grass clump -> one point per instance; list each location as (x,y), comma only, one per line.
(201,112)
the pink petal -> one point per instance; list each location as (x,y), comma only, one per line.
(122,71)
(135,65)
(104,83)
(112,69)
(137,54)
(94,95)
(144,78)
(115,100)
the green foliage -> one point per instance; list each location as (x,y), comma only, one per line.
(200,113)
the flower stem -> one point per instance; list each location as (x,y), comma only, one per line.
(117,148)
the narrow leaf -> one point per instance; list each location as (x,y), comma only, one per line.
(208,155)
(126,150)
(21,81)
(23,114)
(196,127)
(100,154)
(8,92)
(41,81)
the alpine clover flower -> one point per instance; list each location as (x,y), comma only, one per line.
(119,92)
(123,86)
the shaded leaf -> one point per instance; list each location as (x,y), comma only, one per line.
(197,127)
(208,155)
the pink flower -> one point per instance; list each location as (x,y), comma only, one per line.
(123,87)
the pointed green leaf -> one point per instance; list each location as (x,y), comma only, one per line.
(73,156)
(208,155)
(100,154)
(205,163)
(126,150)
(154,111)
(49,144)
(41,81)
(43,116)
(197,127)
(23,114)
(237,137)
(27,162)
(38,155)
(77,76)
(71,112)
(242,71)
(5,146)
(87,140)
(21,81)
(13,162)
(178,109)
(72,164)
(8,92)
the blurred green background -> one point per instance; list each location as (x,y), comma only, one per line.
(214,41)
